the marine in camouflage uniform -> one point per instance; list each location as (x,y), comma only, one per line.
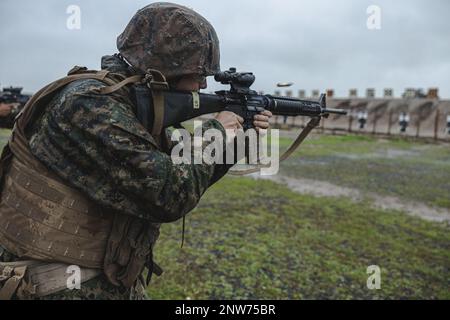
(96,144)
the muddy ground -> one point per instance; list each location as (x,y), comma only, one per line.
(412,177)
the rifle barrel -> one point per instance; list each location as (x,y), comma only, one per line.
(335,111)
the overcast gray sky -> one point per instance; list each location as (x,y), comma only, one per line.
(317,44)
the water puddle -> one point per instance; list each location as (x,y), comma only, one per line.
(326,189)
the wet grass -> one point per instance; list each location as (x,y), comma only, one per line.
(4,136)
(252,239)
(414,171)
(258,240)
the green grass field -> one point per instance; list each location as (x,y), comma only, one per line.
(258,240)
(254,239)
(4,136)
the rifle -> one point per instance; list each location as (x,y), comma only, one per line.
(181,106)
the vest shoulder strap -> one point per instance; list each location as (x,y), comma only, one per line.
(35,105)
(157,83)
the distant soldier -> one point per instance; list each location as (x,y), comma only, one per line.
(5,108)
(85,183)
(448,123)
(8,112)
(11,102)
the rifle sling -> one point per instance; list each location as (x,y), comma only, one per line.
(314,122)
(158,109)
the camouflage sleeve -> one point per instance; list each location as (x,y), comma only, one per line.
(220,170)
(110,155)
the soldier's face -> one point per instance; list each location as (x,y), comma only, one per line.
(191,83)
(5,109)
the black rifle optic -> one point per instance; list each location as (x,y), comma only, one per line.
(181,106)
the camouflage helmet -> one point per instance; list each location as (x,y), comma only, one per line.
(172,39)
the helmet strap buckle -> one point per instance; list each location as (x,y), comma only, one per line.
(155,80)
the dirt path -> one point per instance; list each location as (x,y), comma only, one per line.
(321,188)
